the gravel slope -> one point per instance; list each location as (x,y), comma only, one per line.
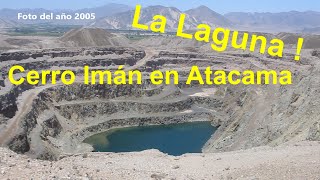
(294,161)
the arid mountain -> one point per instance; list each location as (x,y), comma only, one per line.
(118,16)
(107,10)
(124,20)
(314,30)
(206,15)
(4,24)
(292,21)
(88,37)
(310,41)
(195,16)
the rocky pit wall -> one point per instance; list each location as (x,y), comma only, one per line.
(63,116)
(58,118)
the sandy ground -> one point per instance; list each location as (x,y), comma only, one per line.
(295,161)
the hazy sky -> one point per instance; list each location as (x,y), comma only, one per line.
(221,6)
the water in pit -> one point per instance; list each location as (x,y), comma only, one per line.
(174,139)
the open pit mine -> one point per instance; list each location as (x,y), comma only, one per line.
(262,130)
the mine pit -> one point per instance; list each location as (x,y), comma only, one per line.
(49,121)
(160,92)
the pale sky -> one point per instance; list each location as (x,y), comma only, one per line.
(220,6)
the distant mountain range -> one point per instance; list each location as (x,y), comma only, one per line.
(107,10)
(124,20)
(205,15)
(118,16)
(284,21)
(4,24)
(194,17)
(103,11)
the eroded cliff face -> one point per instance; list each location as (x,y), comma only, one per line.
(63,116)
(273,115)
(27,113)
(47,59)
(47,121)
